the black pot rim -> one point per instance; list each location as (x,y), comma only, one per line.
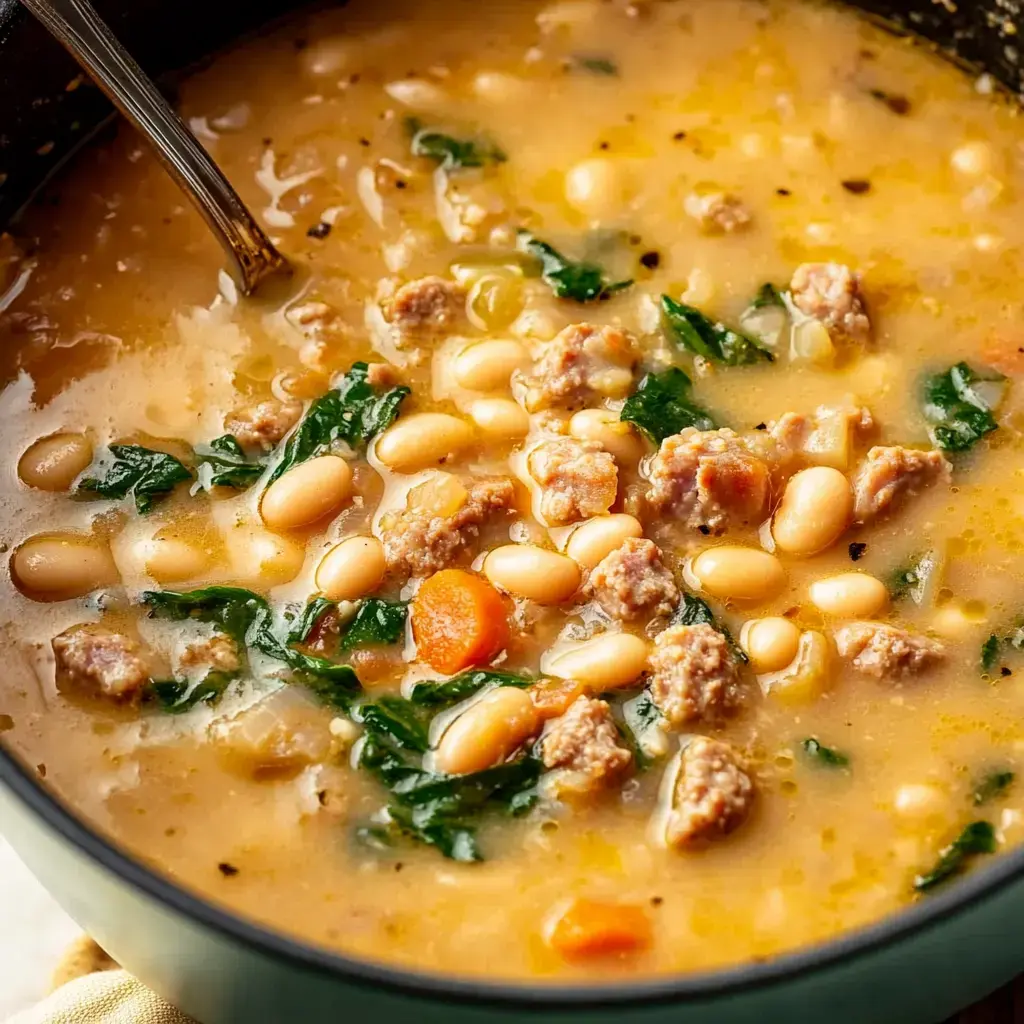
(983,883)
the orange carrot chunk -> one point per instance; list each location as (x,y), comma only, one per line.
(589,928)
(553,697)
(458,620)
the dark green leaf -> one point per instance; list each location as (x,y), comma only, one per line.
(958,406)
(377,622)
(767,295)
(141,472)
(640,715)
(397,719)
(247,619)
(177,696)
(581,282)
(822,755)
(693,611)
(223,463)
(661,406)
(596,65)
(714,341)
(314,611)
(992,649)
(911,579)
(352,412)
(450,152)
(978,837)
(462,687)
(992,786)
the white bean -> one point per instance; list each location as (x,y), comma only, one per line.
(614,435)
(598,537)
(170,559)
(920,801)
(422,440)
(52,463)
(850,595)
(537,574)
(58,567)
(771,643)
(500,418)
(597,187)
(307,493)
(261,557)
(489,365)
(351,569)
(738,573)
(816,508)
(607,662)
(487,732)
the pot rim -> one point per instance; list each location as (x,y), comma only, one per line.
(52,811)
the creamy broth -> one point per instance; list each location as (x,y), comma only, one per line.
(615,124)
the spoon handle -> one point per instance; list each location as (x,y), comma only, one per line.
(76,25)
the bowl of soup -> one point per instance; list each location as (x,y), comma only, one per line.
(591,583)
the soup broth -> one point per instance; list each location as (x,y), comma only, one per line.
(680,735)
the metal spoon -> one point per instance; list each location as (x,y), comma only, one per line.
(82,32)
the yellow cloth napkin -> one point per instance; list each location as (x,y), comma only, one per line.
(107,997)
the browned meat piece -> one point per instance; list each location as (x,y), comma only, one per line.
(324,330)
(426,309)
(586,743)
(263,425)
(581,364)
(883,651)
(632,581)
(707,478)
(100,660)
(418,541)
(888,474)
(579,479)
(830,293)
(826,438)
(717,212)
(693,674)
(218,653)
(712,795)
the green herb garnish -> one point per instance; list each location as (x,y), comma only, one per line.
(640,715)
(911,579)
(223,463)
(690,328)
(767,295)
(978,837)
(314,611)
(822,755)
(693,611)
(141,472)
(353,412)
(377,622)
(449,152)
(958,405)
(461,687)
(177,696)
(596,65)
(581,282)
(991,786)
(993,648)
(661,406)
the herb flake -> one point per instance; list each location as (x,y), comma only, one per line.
(977,838)
(991,786)
(145,474)
(568,279)
(826,757)
(690,328)
(377,623)
(958,405)
(223,463)
(661,406)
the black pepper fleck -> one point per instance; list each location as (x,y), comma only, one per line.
(226,869)
(897,104)
(267,140)
(398,865)
(651,260)
(401,184)
(603,145)
(857,548)
(1004,671)
(679,136)
(704,529)
(857,186)
(761,426)
(319,230)
(783,192)
(656,901)
(363,141)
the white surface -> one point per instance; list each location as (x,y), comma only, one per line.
(34,932)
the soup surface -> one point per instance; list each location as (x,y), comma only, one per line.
(603,555)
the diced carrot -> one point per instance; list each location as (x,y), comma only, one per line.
(553,697)
(589,928)
(458,620)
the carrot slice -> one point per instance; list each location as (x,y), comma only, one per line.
(589,928)
(553,697)
(458,620)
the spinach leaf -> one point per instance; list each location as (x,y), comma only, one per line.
(640,716)
(377,622)
(978,837)
(767,295)
(958,406)
(661,406)
(145,474)
(398,719)
(354,411)
(825,756)
(596,65)
(223,463)
(690,328)
(693,611)
(449,152)
(581,282)
(314,611)
(991,786)
(176,696)
(462,686)
(993,648)
(911,579)
(247,619)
